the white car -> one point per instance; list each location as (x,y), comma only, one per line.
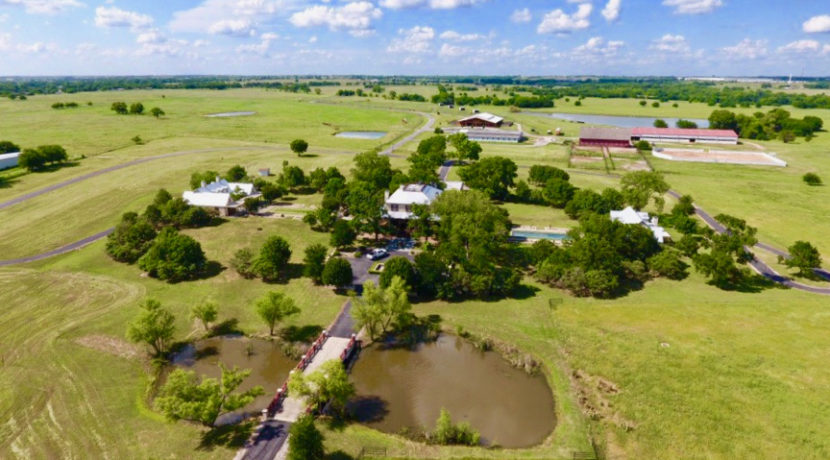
(377,254)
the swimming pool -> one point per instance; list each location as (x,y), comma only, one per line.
(537,235)
(361,134)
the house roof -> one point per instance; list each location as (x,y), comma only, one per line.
(648,131)
(629,216)
(414,194)
(456,185)
(486,116)
(223,186)
(9,156)
(613,134)
(208,199)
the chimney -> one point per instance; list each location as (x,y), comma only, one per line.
(203,184)
(218,178)
(386,196)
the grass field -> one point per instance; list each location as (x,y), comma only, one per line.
(676,370)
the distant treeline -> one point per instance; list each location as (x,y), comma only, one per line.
(446,96)
(30,86)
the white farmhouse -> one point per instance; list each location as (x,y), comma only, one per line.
(223,196)
(399,204)
(629,216)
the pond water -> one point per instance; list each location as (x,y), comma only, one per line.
(361,134)
(269,365)
(618,121)
(230,114)
(406,388)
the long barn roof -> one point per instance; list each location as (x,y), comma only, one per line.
(684,132)
(615,134)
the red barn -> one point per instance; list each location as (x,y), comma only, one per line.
(605,137)
(482,120)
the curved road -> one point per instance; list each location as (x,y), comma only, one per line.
(760,266)
(91,239)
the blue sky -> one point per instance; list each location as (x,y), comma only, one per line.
(415,37)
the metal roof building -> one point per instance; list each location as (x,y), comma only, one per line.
(679,135)
(9,160)
(604,137)
(482,120)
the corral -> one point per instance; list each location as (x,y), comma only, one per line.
(719,156)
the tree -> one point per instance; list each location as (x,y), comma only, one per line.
(642,146)
(399,267)
(685,206)
(812,179)
(299,147)
(328,384)
(273,258)
(342,234)
(206,312)
(668,264)
(31,159)
(640,187)
(540,174)
(173,257)
(803,256)
(719,266)
(184,397)
(686,124)
(558,192)
(275,307)
(136,108)
(235,174)
(432,274)
(131,239)
(154,326)
(382,310)
(586,201)
(338,273)
(373,169)
(660,123)
(119,108)
(243,263)
(252,205)
(723,119)
(315,262)
(493,176)
(447,433)
(8,147)
(366,205)
(157,112)
(306,440)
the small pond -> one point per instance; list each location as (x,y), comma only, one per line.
(618,121)
(230,114)
(406,389)
(269,365)
(361,134)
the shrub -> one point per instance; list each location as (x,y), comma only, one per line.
(136,108)
(643,146)
(342,234)
(273,258)
(400,267)
(338,273)
(131,239)
(315,262)
(8,147)
(668,264)
(447,433)
(119,107)
(812,179)
(243,263)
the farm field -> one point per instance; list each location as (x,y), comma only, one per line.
(677,369)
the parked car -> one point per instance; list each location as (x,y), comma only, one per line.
(377,254)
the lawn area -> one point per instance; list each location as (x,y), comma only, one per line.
(539,216)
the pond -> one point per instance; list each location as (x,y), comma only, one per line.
(618,121)
(406,388)
(361,134)
(230,114)
(269,365)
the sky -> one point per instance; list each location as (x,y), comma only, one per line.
(415,37)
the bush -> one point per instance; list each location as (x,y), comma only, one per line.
(8,147)
(812,179)
(36,159)
(131,239)
(119,107)
(306,440)
(315,259)
(447,433)
(173,257)
(338,273)
(643,146)
(342,235)
(136,108)
(540,175)
(668,264)
(243,263)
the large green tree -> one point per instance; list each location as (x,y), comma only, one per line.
(641,187)
(373,169)
(338,273)
(803,256)
(273,258)
(131,239)
(173,257)
(314,262)
(382,310)
(399,267)
(299,147)
(306,440)
(184,397)
(154,326)
(366,205)
(328,384)
(492,175)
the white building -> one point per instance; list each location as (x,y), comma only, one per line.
(9,160)
(399,204)
(488,134)
(223,196)
(629,216)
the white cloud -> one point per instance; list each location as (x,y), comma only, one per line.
(37,48)
(671,44)
(235,27)
(520,16)
(434,4)
(452,35)
(212,12)
(151,36)
(116,17)
(356,17)
(44,6)
(802,47)
(693,6)
(817,24)
(5,42)
(451,51)
(313,39)
(598,46)
(557,21)
(746,49)
(611,12)
(417,40)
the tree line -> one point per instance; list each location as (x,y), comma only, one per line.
(775,124)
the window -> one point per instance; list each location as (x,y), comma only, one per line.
(395,208)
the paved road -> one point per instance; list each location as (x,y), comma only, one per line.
(427,127)
(760,266)
(445,170)
(269,440)
(58,251)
